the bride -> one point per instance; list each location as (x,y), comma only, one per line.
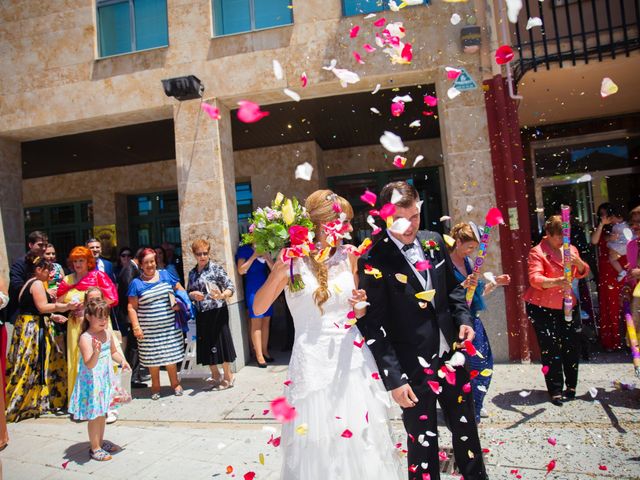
(341,430)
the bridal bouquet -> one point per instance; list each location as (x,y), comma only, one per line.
(283,226)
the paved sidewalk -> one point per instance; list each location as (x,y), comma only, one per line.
(202,434)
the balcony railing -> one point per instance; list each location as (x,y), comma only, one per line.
(575,31)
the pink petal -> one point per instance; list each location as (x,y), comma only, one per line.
(387,211)
(65,464)
(407,52)
(397,108)
(603,468)
(282,411)
(545,369)
(358,58)
(399,161)
(264,412)
(303,79)
(450,377)
(413,468)
(249,475)
(336,207)
(494,217)
(453,73)
(366,417)
(504,54)
(250,112)
(435,386)
(353,33)
(351,315)
(380,22)
(375,376)
(426,476)
(412,438)
(423,265)
(427,114)
(287,383)
(552,441)
(369,197)
(443,456)
(423,417)
(347,434)
(430,100)
(368,48)
(466,388)
(551,465)
(359,344)
(210,110)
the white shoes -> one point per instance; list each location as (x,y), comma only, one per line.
(484,413)
(112,416)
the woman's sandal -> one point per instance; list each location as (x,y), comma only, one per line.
(178,391)
(155,396)
(100,455)
(227,384)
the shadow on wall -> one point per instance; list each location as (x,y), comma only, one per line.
(129,63)
(270,39)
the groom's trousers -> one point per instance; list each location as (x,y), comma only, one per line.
(458,409)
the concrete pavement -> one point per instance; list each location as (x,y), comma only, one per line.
(203,433)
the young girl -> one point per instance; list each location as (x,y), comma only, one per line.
(93,388)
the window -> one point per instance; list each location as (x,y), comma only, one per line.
(67,225)
(238,16)
(357,7)
(244,202)
(154,219)
(131,25)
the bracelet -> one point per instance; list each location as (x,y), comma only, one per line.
(137,327)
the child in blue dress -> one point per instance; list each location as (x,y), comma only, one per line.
(93,389)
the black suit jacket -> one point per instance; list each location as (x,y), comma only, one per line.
(401,330)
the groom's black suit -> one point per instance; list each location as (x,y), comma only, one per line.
(404,331)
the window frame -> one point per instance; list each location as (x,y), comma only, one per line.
(132,28)
(385,9)
(252,20)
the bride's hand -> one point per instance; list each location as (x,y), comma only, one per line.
(357,297)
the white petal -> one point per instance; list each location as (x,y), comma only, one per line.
(423,363)
(393,6)
(534,22)
(361,305)
(413,2)
(415,124)
(375,110)
(431,434)
(346,76)
(513,9)
(445,218)
(277,70)
(524,393)
(457,359)
(453,92)
(375,90)
(384,332)
(584,178)
(400,225)
(393,142)
(332,65)
(490,276)
(464,439)
(291,94)
(469,208)
(418,159)
(404,99)
(371,342)
(455,19)
(593,391)
(304,171)
(628,234)
(396,196)
(463,419)
(371,15)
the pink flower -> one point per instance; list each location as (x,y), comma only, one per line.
(298,235)
(369,197)
(250,112)
(282,411)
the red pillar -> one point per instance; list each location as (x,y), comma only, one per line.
(511,196)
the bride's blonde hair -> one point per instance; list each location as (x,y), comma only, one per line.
(319,205)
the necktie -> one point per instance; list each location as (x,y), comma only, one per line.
(413,256)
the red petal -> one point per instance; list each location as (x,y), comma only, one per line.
(375,376)
(468,345)
(551,465)
(347,434)
(603,468)
(249,475)
(353,33)
(407,52)
(430,100)
(435,386)
(287,382)
(504,54)
(380,22)
(359,344)
(545,369)
(494,217)
(282,411)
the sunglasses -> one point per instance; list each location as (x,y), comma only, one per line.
(125,255)
(202,254)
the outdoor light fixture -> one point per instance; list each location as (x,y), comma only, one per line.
(183,88)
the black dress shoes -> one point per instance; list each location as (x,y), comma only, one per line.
(556,400)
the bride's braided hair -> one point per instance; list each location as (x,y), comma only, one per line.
(319,205)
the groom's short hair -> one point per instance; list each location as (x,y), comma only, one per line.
(408,193)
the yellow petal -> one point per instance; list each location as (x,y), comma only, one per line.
(279,198)
(302,429)
(337,289)
(459,398)
(287,212)
(487,372)
(323,254)
(389,221)
(375,272)
(261,458)
(426,295)
(470,453)
(449,240)
(401,277)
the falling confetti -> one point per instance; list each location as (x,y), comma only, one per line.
(392,142)
(453,92)
(291,94)
(399,161)
(430,100)
(415,124)
(504,54)
(210,110)
(369,197)
(534,22)
(400,225)
(513,9)
(277,70)
(375,90)
(250,112)
(347,434)
(282,411)
(304,171)
(418,159)
(608,87)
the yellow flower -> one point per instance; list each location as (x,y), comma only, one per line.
(288,214)
(279,198)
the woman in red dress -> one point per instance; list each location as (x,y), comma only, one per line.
(609,288)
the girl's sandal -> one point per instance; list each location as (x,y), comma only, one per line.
(100,455)
(178,391)
(109,447)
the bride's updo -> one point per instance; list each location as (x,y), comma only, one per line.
(320,206)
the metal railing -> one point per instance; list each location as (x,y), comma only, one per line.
(575,31)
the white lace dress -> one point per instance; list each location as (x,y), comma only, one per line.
(342,430)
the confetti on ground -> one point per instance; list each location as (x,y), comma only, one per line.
(455,19)
(552,441)
(277,70)
(608,87)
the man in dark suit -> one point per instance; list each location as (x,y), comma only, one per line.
(412,337)
(102,264)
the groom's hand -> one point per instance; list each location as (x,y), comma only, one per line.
(404,396)
(466,333)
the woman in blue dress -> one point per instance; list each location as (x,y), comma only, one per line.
(256,268)
(466,244)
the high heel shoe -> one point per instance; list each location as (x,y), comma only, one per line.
(269,359)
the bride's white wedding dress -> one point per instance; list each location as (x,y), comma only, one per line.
(342,430)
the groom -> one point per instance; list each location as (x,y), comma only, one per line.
(412,338)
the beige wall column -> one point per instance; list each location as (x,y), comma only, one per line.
(206,190)
(469,180)
(12,243)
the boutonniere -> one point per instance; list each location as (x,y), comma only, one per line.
(430,246)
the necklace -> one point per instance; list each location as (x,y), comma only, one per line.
(147,278)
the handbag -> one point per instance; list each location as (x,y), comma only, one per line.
(121,387)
